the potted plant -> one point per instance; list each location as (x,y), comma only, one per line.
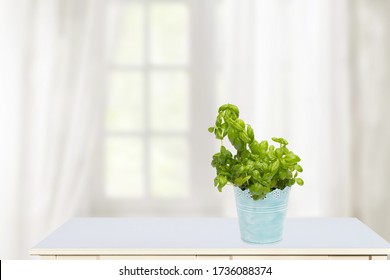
(261,174)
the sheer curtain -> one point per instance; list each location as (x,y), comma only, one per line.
(50,120)
(316,73)
(303,94)
(371,115)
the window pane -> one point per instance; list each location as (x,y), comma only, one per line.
(169,30)
(125,42)
(125,167)
(169,167)
(125,101)
(169,101)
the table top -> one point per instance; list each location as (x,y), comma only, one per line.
(121,236)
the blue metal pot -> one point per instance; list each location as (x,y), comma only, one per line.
(261,221)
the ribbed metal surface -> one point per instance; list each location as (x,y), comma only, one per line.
(261,221)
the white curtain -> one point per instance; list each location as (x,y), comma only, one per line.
(371,127)
(50,114)
(303,94)
(317,73)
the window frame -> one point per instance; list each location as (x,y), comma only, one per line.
(202,81)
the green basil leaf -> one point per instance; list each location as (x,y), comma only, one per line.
(264,146)
(290,182)
(241,124)
(223,108)
(241,180)
(255,188)
(255,147)
(298,168)
(275,166)
(280,140)
(279,152)
(229,107)
(218,133)
(218,121)
(282,174)
(256,174)
(238,124)
(237,170)
(238,144)
(250,132)
(216,181)
(244,137)
(299,181)
(222,181)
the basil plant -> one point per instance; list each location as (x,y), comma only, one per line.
(256,166)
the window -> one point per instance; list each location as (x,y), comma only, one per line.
(160,90)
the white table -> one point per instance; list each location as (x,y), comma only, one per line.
(208,238)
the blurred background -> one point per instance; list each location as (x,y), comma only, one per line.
(105,106)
